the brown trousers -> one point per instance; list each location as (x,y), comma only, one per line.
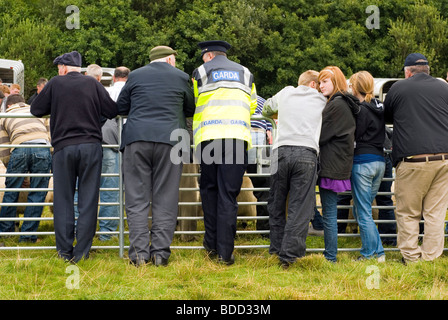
(421,190)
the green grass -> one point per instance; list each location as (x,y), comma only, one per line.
(191,275)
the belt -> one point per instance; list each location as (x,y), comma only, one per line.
(427,158)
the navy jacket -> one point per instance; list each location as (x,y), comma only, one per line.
(157,98)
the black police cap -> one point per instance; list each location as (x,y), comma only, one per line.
(213,45)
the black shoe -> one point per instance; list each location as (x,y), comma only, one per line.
(138,263)
(159,261)
(212,253)
(227,262)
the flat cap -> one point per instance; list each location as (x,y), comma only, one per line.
(161,52)
(213,45)
(69,59)
(415,59)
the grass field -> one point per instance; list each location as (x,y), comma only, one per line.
(191,275)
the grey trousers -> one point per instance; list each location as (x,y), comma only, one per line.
(150,178)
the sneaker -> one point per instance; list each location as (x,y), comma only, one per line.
(381,258)
(314,232)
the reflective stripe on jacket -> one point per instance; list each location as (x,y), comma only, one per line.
(225,97)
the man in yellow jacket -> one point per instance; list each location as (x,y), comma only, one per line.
(225,99)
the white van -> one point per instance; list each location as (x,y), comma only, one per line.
(13,71)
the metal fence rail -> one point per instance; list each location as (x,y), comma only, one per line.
(122,233)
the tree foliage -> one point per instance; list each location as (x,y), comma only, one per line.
(276,39)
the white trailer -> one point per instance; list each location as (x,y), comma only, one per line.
(13,71)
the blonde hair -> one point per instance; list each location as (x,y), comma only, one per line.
(362,83)
(16,86)
(308,76)
(337,78)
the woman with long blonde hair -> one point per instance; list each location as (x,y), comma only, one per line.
(336,150)
(368,163)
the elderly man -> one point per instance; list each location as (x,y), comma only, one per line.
(156,98)
(418,109)
(78,105)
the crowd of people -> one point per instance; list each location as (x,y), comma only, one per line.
(331,133)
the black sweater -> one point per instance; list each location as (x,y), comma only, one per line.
(76,105)
(370,128)
(338,136)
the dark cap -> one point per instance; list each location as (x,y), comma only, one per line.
(415,59)
(69,59)
(213,45)
(161,52)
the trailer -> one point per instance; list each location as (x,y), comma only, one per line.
(12,71)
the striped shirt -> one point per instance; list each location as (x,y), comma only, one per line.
(261,124)
(19,130)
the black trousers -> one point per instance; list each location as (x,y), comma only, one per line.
(220,184)
(80,162)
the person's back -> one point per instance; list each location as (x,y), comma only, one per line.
(299,116)
(420,100)
(149,103)
(76,104)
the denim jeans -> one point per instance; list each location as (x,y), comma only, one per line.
(109,165)
(329,200)
(365,181)
(24,160)
(296,175)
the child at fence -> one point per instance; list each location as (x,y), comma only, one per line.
(294,165)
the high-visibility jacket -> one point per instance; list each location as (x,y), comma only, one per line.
(225,97)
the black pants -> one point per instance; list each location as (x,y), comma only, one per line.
(220,184)
(82,162)
(296,175)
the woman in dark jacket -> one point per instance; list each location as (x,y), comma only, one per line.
(368,163)
(336,150)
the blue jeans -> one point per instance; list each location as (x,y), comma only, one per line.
(109,165)
(365,181)
(329,200)
(24,160)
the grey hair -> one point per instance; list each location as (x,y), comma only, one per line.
(418,69)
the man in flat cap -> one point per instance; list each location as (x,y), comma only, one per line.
(156,98)
(78,105)
(418,109)
(226,98)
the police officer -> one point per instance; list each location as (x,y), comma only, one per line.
(225,99)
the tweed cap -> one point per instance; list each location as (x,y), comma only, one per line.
(69,59)
(161,52)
